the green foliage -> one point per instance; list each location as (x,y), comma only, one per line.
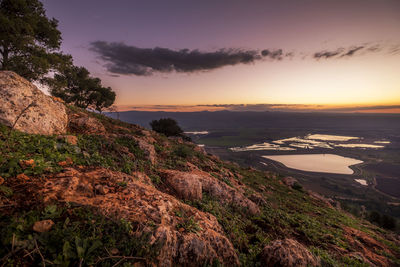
(326,259)
(47,152)
(155,179)
(8,192)
(166,126)
(80,236)
(183,151)
(189,225)
(382,220)
(29,40)
(298,187)
(75,86)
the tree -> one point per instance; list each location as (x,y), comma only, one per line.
(166,126)
(101,98)
(29,41)
(75,86)
(388,222)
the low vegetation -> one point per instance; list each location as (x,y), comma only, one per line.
(82,236)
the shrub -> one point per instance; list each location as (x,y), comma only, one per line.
(183,151)
(166,126)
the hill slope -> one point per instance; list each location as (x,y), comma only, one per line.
(110,193)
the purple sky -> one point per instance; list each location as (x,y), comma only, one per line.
(302,28)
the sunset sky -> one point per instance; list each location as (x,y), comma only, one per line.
(336,53)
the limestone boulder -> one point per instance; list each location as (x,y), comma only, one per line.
(85,124)
(23,104)
(186,185)
(140,204)
(287,253)
(192,184)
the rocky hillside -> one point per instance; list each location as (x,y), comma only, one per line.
(81,189)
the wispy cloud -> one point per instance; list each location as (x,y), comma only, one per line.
(123,59)
(343,52)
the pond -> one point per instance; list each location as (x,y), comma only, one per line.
(329,163)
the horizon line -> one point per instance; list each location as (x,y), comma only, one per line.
(322,108)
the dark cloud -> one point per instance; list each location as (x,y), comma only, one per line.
(123,59)
(352,51)
(276,54)
(328,54)
(394,50)
(348,52)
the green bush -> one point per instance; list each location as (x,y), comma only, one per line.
(183,151)
(166,126)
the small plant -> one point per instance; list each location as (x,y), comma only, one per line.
(155,179)
(189,225)
(298,187)
(183,151)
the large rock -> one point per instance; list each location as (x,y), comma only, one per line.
(365,247)
(186,185)
(45,115)
(141,204)
(147,148)
(287,253)
(195,182)
(84,124)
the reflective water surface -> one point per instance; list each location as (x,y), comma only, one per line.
(329,163)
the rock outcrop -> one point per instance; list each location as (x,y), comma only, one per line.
(145,144)
(129,198)
(288,253)
(85,124)
(366,248)
(186,185)
(23,104)
(192,184)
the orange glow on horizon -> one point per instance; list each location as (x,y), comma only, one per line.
(265,107)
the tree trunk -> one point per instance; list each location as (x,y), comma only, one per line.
(4,55)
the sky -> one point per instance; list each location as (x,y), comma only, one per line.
(231,54)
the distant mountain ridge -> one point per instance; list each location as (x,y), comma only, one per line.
(206,120)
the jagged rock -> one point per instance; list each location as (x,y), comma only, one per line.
(287,253)
(140,203)
(44,115)
(211,185)
(43,226)
(257,198)
(289,181)
(84,124)
(361,242)
(316,196)
(186,185)
(142,177)
(148,148)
